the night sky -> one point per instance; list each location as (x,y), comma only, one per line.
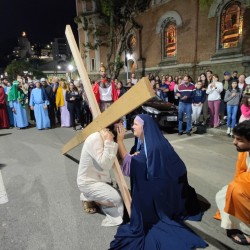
(42,20)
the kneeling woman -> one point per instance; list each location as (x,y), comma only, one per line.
(161,196)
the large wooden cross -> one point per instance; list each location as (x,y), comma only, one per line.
(133,98)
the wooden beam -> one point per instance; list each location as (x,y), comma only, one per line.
(135,97)
(82,72)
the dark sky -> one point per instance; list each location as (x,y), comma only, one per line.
(42,20)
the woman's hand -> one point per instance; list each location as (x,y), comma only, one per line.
(120,133)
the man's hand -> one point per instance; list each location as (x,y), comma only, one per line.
(107,135)
(32,107)
(13,110)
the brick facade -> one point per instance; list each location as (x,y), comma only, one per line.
(197,41)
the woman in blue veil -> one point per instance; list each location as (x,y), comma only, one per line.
(161,196)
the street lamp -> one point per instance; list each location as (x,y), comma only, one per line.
(70,68)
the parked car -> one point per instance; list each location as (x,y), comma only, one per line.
(165,113)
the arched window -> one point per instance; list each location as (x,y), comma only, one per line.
(169,38)
(231,26)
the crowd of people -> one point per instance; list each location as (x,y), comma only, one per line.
(206,101)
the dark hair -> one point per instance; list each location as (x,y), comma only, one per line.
(210,71)
(244,100)
(243,129)
(237,87)
(205,83)
(216,76)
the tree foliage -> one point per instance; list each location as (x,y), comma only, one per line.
(20,67)
(110,25)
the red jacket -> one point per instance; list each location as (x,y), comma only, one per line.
(97,93)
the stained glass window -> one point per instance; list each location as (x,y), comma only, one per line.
(170,40)
(231,26)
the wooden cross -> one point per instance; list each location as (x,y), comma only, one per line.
(133,98)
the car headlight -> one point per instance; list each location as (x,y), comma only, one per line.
(151,110)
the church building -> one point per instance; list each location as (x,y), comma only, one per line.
(180,37)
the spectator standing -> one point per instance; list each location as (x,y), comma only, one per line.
(235,75)
(214,99)
(245,108)
(170,82)
(199,97)
(232,98)
(209,75)
(61,104)
(205,115)
(185,93)
(74,100)
(226,82)
(54,113)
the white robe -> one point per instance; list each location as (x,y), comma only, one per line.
(97,158)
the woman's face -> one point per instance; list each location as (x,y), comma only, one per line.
(138,130)
(203,77)
(234,85)
(71,86)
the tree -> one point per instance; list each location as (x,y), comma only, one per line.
(21,67)
(114,22)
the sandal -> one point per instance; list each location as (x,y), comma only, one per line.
(234,232)
(89,207)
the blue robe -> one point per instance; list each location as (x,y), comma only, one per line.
(20,116)
(41,114)
(161,199)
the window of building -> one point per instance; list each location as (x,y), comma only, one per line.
(231,26)
(93,64)
(169,39)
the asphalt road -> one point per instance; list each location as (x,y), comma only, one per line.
(44,211)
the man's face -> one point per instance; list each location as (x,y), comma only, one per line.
(103,73)
(241,143)
(226,77)
(235,74)
(185,79)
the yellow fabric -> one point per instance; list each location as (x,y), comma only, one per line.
(59,97)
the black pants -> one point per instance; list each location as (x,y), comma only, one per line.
(75,110)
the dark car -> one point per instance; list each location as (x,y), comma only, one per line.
(165,113)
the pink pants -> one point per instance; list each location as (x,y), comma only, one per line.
(214,111)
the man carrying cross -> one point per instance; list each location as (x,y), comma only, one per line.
(93,178)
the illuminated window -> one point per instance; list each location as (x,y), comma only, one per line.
(231,26)
(169,38)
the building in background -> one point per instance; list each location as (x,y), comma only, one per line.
(182,37)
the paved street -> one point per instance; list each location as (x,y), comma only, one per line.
(44,211)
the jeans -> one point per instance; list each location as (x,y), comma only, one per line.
(185,108)
(231,115)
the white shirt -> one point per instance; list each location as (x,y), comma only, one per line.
(106,93)
(214,93)
(97,158)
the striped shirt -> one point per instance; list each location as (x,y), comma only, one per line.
(186,90)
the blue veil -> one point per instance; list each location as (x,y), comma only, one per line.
(161,198)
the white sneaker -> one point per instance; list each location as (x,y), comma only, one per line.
(231,133)
(228,131)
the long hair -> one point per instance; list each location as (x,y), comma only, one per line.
(237,87)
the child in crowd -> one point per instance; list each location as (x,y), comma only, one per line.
(232,98)
(199,96)
(245,108)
